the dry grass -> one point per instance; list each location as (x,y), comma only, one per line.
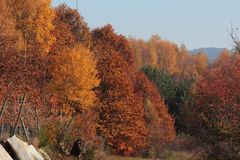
(168,155)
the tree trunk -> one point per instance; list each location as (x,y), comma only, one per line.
(24,129)
(37,116)
(2,129)
(156,155)
(19,115)
(3,107)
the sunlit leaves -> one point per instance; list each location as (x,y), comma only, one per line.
(34,20)
(75,76)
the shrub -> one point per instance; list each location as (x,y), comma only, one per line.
(92,152)
(215,116)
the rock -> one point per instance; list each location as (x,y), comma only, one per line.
(3,154)
(34,153)
(23,151)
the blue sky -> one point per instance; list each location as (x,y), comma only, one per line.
(196,23)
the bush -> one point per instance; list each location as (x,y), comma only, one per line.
(215,115)
(92,152)
(43,138)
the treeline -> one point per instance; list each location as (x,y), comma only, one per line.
(76,83)
(202,96)
(68,82)
(168,57)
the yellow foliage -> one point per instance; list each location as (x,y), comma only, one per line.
(75,76)
(200,64)
(184,69)
(167,56)
(7,28)
(34,20)
(44,25)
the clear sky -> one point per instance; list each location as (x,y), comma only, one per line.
(196,23)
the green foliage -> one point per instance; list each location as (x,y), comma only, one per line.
(162,80)
(179,103)
(176,94)
(43,137)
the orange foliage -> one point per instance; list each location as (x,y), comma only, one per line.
(159,121)
(199,64)
(34,20)
(225,54)
(64,36)
(168,57)
(119,43)
(184,69)
(73,20)
(121,114)
(45,55)
(166,54)
(74,76)
(85,126)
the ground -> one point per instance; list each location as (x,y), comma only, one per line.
(166,156)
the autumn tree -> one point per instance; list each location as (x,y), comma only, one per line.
(71,19)
(121,121)
(21,75)
(159,122)
(164,82)
(151,44)
(199,64)
(215,114)
(75,76)
(34,20)
(73,79)
(65,38)
(9,36)
(225,54)
(168,57)
(175,94)
(74,95)
(166,54)
(156,52)
(118,42)
(184,67)
(137,52)
(70,29)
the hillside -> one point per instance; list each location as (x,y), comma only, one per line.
(210,51)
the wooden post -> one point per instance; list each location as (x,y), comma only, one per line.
(1,114)
(2,129)
(24,129)
(19,115)
(3,107)
(37,116)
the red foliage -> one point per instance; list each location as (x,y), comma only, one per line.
(164,123)
(22,71)
(119,43)
(120,111)
(64,37)
(218,95)
(75,21)
(215,116)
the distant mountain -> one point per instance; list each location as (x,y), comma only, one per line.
(211,52)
